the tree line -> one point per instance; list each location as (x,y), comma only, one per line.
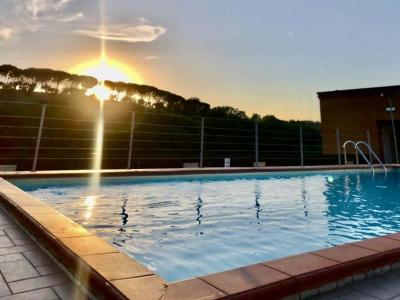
(142,97)
(45,80)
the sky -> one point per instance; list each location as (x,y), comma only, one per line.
(261,56)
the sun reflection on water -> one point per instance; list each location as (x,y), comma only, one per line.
(90,203)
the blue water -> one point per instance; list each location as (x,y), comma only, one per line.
(188,226)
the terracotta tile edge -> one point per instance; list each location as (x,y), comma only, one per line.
(357,244)
(212,285)
(268,263)
(172,284)
(276,290)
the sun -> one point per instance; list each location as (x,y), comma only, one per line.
(107,69)
(100,91)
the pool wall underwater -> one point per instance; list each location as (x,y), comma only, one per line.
(110,274)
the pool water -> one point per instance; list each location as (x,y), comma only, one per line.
(185,226)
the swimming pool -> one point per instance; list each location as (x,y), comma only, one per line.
(185,226)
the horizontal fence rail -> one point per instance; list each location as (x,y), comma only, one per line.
(38,137)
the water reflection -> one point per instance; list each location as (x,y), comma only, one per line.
(124,215)
(304,197)
(360,209)
(199,204)
(257,205)
(90,202)
(346,187)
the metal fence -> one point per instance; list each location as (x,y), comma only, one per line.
(46,136)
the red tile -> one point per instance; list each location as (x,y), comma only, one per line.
(345,253)
(301,264)
(192,289)
(66,229)
(144,288)
(393,236)
(116,266)
(50,219)
(88,245)
(42,209)
(380,244)
(245,279)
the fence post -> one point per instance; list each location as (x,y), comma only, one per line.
(394,131)
(131,139)
(256,142)
(201,142)
(39,137)
(369,143)
(338,146)
(301,147)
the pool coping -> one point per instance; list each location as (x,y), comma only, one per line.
(110,274)
(181,171)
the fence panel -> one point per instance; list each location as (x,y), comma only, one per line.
(153,140)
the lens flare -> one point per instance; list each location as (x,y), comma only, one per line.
(94,184)
(107,69)
(100,91)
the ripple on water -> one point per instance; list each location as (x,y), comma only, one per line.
(184,228)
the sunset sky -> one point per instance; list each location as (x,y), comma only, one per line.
(265,56)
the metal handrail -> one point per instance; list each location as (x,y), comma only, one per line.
(345,153)
(358,150)
(373,154)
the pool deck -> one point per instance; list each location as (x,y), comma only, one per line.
(27,272)
(110,274)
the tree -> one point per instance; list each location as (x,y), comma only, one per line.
(270,118)
(44,77)
(8,71)
(194,106)
(86,82)
(228,112)
(58,77)
(118,87)
(37,76)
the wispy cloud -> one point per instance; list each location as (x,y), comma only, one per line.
(125,32)
(72,18)
(31,15)
(5,33)
(151,57)
(38,7)
(17,16)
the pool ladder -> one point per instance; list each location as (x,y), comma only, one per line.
(358,150)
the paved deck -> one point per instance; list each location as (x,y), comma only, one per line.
(384,287)
(26,272)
